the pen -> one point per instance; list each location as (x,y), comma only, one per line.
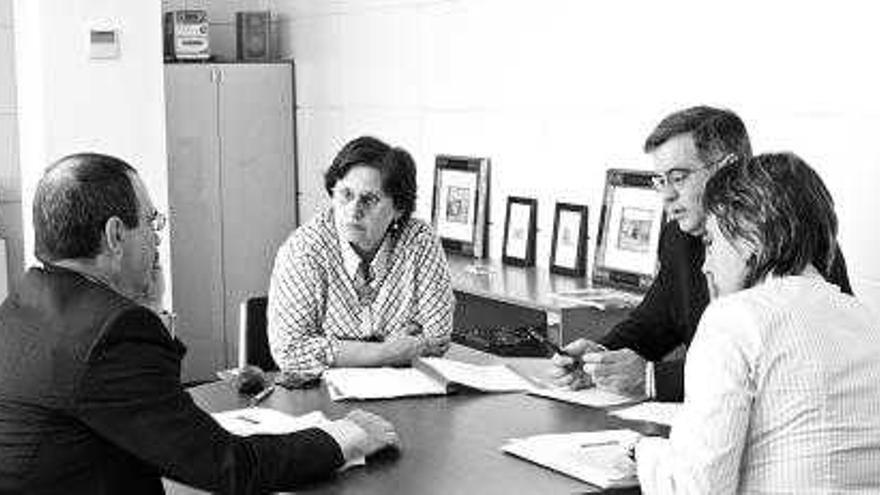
(260,397)
(552,347)
(248,420)
(600,444)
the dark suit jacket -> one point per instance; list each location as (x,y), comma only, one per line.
(669,313)
(91,402)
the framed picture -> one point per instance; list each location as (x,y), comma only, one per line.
(629,231)
(520,229)
(568,255)
(460,211)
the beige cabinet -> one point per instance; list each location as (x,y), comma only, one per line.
(232,196)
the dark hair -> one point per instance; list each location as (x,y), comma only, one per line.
(716,133)
(74,199)
(780,207)
(396,166)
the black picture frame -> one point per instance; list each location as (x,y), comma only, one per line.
(520,231)
(628,236)
(565,258)
(460,208)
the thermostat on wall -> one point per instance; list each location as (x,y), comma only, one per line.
(103,42)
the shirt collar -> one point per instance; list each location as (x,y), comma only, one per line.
(351,260)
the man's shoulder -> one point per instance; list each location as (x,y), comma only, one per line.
(53,322)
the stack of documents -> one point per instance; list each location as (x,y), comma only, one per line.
(428,376)
(597,457)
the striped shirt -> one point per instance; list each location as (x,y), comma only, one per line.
(782,395)
(313,293)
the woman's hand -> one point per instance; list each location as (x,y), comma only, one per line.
(401,349)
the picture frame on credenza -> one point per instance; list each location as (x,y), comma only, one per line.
(460,209)
(568,253)
(520,231)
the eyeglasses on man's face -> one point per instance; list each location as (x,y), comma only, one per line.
(157,221)
(677,177)
(674,177)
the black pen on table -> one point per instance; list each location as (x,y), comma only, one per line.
(260,397)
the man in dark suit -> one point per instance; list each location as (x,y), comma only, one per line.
(687,147)
(90,393)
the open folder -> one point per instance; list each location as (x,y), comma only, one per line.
(427,376)
(597,457)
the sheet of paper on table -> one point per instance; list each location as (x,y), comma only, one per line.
(655,412)
(597,457)
(592,397)
(265,421)
(261,420)
(428,376)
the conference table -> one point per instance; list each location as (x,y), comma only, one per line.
(450,444)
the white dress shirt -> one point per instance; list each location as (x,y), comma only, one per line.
(782,395)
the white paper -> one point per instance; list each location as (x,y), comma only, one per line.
(592,397)
(260,420)
(569,233)
(597,457)
(518,230)
(489,378)
(265,421)
(387,383)
(379,383)
(655,412)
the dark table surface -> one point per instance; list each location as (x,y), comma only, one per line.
(450,444)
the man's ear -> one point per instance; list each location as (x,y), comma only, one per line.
(114,235)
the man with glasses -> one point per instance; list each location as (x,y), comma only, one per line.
(90,392)
(687,147)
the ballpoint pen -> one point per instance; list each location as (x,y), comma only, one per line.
(260,397)
(552,347)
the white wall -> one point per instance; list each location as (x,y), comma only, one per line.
(557,91)
(10,184)
(70,103)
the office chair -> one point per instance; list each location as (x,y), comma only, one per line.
(252,325)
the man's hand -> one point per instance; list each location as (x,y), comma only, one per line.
(621,371)
(566,370)
(380,433)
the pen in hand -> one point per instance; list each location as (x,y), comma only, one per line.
(552,347)
(260,397)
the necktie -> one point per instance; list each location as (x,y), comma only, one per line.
(363,279)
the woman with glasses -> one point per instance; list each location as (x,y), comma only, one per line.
(782,380)
(363,283)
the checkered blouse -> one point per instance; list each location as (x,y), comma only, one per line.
(313,293)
